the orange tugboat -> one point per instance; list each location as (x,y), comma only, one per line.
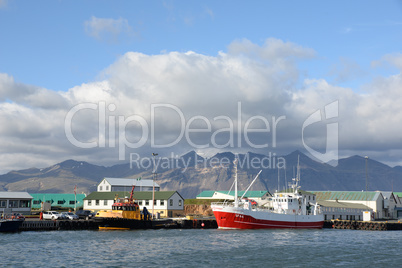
(124,215)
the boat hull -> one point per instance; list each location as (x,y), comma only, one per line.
(122,224)
(10,225)
(238,218)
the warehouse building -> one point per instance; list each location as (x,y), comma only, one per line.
(125,184)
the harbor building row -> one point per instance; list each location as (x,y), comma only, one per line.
(343,205)
(166,203)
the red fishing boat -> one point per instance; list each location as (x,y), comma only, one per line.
(289,209)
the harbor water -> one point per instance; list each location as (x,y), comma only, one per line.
(202,248)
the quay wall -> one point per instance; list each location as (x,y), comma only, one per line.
(363,225)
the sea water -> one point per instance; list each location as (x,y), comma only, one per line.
(202,248)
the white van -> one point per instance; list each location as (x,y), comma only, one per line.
(51,215)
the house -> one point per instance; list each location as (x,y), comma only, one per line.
(15,202)
(398,208)
(373,200)
(391,202)
(260,197)
(167,203)
(125,184)
(67,201)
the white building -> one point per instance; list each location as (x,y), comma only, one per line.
(15,202)
(342,210)
(167,203)
(125,184)
(373,200)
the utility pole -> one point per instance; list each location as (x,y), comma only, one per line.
(366,174)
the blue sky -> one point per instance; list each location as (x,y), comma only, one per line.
(278,58)
(47,44)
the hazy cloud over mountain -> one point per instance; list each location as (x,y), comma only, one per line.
(188,101)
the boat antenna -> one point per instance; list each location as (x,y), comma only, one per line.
(286,182)
(278,180)
(250,185)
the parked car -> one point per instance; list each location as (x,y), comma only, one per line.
(70,216)
(85,214)
(51,215)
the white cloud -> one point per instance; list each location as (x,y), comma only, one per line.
(106,29)
(262,78)
(346,70)
(394,59)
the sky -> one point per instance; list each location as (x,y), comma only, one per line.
(110,82)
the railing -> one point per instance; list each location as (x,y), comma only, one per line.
(227,204)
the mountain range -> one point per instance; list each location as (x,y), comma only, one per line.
(191,174)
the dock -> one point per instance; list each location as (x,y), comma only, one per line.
(56,225)
(364,225)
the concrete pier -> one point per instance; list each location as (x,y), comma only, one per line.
(364,225)
(54,225)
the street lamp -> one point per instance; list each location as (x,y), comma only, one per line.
(366,157)
(153,184)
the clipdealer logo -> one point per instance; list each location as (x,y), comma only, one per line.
(113,130)
(330,111)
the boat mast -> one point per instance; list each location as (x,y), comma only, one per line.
(251,184)
(236,204)
(298,173)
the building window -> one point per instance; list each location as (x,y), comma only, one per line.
(72,202)
(105,202)
(146,202)
(96,202)
(25,203)
(35,202)
(162,202)
(100,188)
(154,202)
(140,203)
(13,204)
(171,202)
(107,187)
(89,202)
(60,202)
(180,202)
